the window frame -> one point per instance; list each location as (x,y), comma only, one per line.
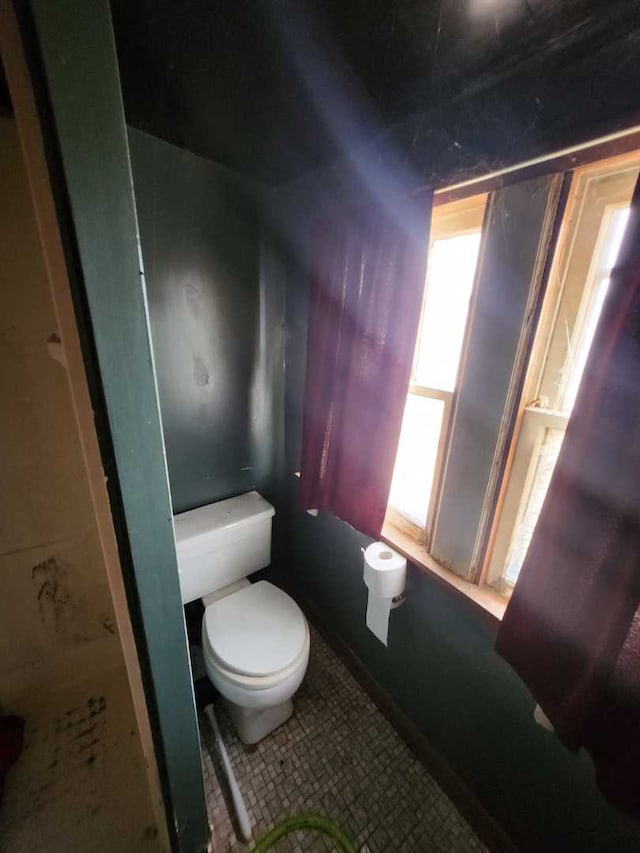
(529,417)
(453,219)
(596,192)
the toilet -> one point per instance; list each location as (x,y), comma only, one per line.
(255,638)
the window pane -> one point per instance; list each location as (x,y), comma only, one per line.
(532,502)
(576,361)
(534,496)
(577,358)
(619,219)
(416,458)
(450,274)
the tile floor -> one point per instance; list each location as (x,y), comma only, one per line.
(337,756)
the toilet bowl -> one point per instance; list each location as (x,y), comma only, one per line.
(255,644)
(255,638)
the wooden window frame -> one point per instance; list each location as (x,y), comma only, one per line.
(532,419)
(455,219)
(597,191)
(533,425)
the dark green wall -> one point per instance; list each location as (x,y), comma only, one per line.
(86,133)
(440,667)
(216,333)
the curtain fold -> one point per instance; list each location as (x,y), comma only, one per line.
(368,274)
(572,627)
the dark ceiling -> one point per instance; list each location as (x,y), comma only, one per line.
(273,88)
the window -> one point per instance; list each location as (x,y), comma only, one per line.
(453,254)
(475,334)
(594,226)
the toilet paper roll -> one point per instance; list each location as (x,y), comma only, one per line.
(385,573)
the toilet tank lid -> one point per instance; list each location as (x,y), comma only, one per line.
(250,507)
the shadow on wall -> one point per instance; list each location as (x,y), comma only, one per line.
(216,330)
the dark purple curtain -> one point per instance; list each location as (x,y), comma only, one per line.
(572,628)
(368,273)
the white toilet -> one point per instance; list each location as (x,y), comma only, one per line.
(255,638)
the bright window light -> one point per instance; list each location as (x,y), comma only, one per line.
(416,458)
(529,512)
(578,359)
(452,265)
(449,284)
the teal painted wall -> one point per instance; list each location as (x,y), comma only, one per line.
(440,667)
(216,333)
(75,44)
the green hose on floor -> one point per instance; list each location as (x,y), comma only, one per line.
(311,821)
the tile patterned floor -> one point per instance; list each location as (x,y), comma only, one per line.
(337,756)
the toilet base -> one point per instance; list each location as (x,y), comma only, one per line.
(253,724)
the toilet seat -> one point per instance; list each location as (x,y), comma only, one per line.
(255,634)
(252,682)
(271,692)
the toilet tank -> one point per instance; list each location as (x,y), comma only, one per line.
(221,543)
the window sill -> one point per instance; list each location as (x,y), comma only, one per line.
(492,603)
